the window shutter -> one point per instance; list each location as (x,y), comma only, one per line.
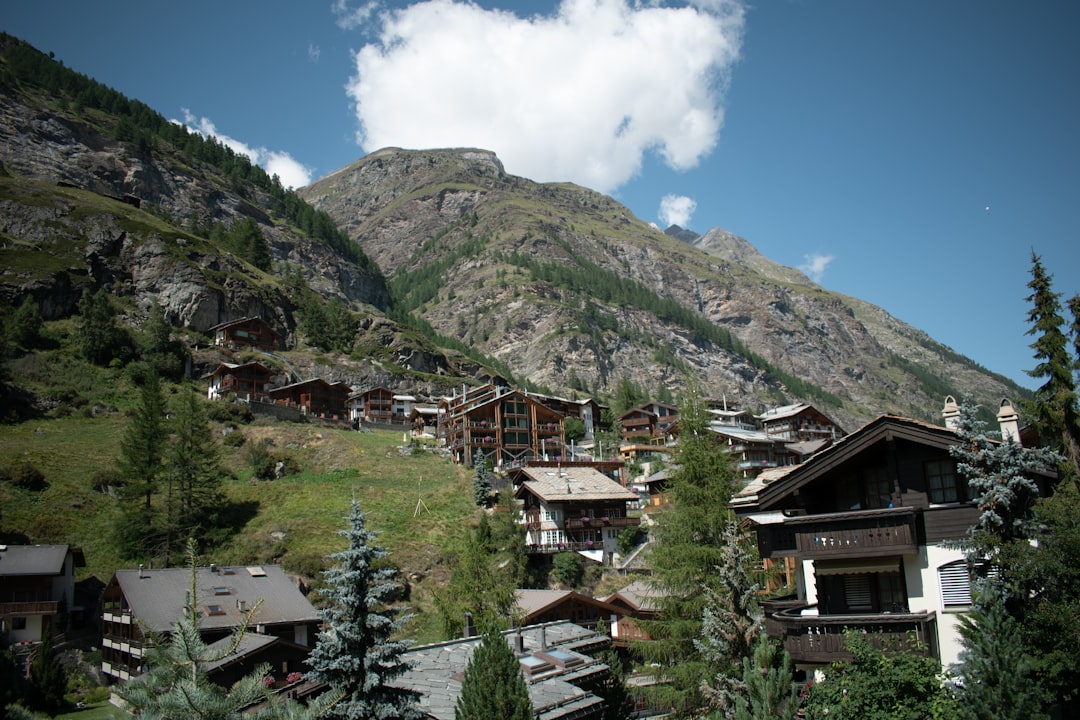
(955,585)
(857,592)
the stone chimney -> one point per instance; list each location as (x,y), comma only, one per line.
(951,413)
(470,628)
(1009,422)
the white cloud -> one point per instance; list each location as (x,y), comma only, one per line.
(314,52)
(815,266)
(276,162)
(348,17)
(579,95)
(677,210)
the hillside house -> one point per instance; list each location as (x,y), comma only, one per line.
(556,659)
(799,422)
(543,606)
(137,603)
(637,601)
(249,381)
(872,524)
(651,423)
(373,405)
(245,332)
(572,508)
(37,585)
(508,426)
(587,410)
(316,398)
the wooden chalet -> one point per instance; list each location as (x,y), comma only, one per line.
(574,508)
(37,585)
(542,606)
(507,426)
(636,601)
(245,332)
(799,422)
(872,523)
(316,398)
(651,423)
(374,405)
(250,381)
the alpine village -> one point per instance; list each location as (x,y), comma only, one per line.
(424,439)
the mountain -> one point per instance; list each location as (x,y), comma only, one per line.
(569,290)
(446,268)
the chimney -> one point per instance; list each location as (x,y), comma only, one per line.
(470,629)
(543,637)
(213,568)
(519,643)
(241,605)
(141,566)
(951,412)
(1009,422)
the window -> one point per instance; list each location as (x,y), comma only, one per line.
(941,482)
(955,581)
(857,592)
(18,623)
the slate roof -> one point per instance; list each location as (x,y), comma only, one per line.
(572,484)
(436,670)
(156,597)
(250,643)
(534,601)
(638,595)
(36,559)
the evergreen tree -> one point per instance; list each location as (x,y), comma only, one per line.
(48,682)
(767,677)
(157,346)
(24,328)
(484,581)
(481,479)
(618,703)
(192,469)
(355,652)
(96,333)
(140,467)
(731,622)
(998,676)
(691,542)
(1054,409)
(493,686)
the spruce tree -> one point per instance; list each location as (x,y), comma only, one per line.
(998,676)
(25,325)
(355,652)
(48,682)
(493,686)
(1054,409)
(691,543)
(767,677)
(142,450)
(731,622)
(96,333)
(481,479)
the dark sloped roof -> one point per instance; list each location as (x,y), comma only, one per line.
(36,559)
(157,597)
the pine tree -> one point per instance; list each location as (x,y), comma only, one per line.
(96,333)
(691,543)
(1055,410)
(25,325)
(484,581)
(618,703)
(493,686)
(142,450)
(355,652)
(997,672)
(48,682)
(767,677)
(731,622)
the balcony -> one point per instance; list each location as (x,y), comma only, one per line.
(820,638)
(861,533)
(30,608)
(578,523)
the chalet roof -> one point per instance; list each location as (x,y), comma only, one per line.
(36,559)
(157,597)
(639,596)
(884,428)
(225,367)
(749,494)
(250,644)
(435,670)
(744,434)
(533,602)
(312,381)
(784,411)
(241,321)
(500,396)
(572,484)
(368,391)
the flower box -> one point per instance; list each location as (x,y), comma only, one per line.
(586,520)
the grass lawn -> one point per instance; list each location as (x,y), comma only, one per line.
(98,711)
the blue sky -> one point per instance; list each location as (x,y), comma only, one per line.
(909,153)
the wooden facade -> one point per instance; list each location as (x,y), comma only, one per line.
(246,332)
(316,398)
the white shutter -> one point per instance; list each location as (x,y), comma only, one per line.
(955,583)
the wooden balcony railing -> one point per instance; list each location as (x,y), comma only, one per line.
(30,608)
(865,533)
(820,638)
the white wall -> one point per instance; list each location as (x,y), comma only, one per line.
(924,573)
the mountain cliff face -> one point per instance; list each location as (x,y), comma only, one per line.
(559,285)
(570,290)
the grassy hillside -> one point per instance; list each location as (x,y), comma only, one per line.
(293,521)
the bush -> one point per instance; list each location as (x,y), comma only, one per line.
(24,475)
(234,439)
(103,480)
(567,569)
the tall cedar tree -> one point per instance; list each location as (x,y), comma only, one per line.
(691,544)
(731,622)
(1054,409)
(998,676)
(193,470)
(176,686)
(140,466)
(767,676)
(355,652)
(493,686)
